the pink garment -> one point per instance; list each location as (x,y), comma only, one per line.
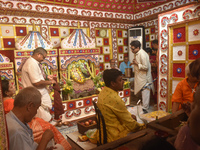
(184,141)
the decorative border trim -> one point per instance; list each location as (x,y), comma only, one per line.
(43,8)
(161,8)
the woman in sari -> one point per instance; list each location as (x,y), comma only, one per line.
(38,125)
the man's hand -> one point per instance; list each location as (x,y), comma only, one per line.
(135,62)
(53,81)
(48,135)
(50,77)
(187,108)
(51,148)
(134,117)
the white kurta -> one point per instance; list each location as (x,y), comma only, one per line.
(142,70)
(31,73)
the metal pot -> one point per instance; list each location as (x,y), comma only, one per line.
(128,72)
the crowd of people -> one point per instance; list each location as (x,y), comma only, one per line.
(28,115)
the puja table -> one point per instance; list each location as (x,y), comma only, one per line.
(133,141)
(72,138)
(170,123)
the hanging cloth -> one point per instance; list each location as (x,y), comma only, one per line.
(58,106)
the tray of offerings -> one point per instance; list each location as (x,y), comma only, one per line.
(170,123)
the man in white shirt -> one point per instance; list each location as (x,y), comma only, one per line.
(32,75)
(142,68)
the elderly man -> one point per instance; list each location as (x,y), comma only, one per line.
(25,107)
(142,68)
(33,75)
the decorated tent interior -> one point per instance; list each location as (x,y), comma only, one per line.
(81,37)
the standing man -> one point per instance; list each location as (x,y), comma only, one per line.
(33,75)
(125,64)
(142,69)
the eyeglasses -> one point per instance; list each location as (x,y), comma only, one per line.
(133,49)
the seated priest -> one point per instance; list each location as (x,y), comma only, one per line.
(184,90)
(188,137)
(38,125)
(119,122)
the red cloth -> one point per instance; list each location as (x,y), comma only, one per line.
(154,74)
(8,105)
(38,126)
(58,106)
(183,92)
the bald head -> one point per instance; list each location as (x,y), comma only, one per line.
(27,95)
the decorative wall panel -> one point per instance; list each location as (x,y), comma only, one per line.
(104,42)
(3,130)
(123,13)
(58,33)
(9,34)
(122,45)
(183,48)
(161,8)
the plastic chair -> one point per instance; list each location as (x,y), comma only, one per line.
(100,120)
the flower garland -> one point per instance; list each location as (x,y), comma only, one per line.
(76,74)
(68,88)
(126,84)
(98,82)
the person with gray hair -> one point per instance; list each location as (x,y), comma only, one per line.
(184,90)
(33,75)
(26,103)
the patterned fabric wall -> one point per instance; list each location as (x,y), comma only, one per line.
(122,6)
(104,42)
(57,34)
(143,13)
(3,133)
(122,44)
(151,33)
(185,48)
(9,34)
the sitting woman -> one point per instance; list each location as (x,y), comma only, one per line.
(38,125)
(188,137)
(184,90)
